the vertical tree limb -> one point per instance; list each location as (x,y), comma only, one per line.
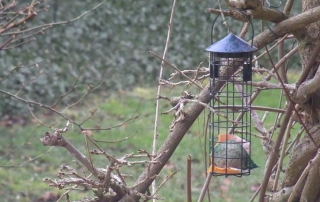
(189,178)
(155,132)
(311,189)
(302,154)
(298,185)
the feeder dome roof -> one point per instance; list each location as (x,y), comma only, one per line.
(231,44)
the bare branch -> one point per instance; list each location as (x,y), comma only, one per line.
(7,42)
(70,91)
(307,88)
(259,12)
(313,162)
(268,85)
(290,25)
(46,26)
(164,181)
(175,68)
(56,139)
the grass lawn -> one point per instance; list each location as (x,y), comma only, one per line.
(25,162)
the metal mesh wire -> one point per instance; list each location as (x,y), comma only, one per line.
(230,123)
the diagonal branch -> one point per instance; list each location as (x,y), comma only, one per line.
(262,13)
(178,70)
(308,87)
(313,162)
(289,25)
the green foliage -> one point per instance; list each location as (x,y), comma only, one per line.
(111,44)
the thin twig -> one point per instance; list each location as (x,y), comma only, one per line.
(175,68)
(282,154)
(89,90)
(164,181)
(56,23)
(7,42)
(28,82)
(29,160)
(88,149)
(115,126)
(155,132)
(287,93)
(17,68)
(115,141)
(36,118)
(223,18)
(21,43)
(67,93)
(65,193)
(272,47)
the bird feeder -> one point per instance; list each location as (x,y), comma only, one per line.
(230,90)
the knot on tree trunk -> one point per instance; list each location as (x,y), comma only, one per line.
(53,139)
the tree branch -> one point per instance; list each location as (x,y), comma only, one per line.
(307,88)
(303,152)
(172,141)
(298,185)
(177,133)
(311,189)
(262,13)
(289,25)
(56,139)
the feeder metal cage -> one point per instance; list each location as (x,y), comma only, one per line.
(230,124)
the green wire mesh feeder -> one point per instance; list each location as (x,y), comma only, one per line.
(230,127)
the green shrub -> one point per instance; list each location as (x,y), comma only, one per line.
(111,43)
